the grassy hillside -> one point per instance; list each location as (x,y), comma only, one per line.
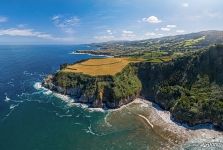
(102,66)
(179,43)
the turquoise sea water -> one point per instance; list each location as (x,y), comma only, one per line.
(32,118)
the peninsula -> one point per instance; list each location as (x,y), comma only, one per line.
(187,82)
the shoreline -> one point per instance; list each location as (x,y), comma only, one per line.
(157,119)
(161,119)
(90,54)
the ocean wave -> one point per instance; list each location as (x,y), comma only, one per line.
(65,98)
(38,86)
(7,99)
(48,92)
(70,102)
(97,110)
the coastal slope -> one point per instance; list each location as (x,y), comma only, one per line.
(190,87)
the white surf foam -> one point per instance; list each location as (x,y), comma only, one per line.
(96,110)
(7,99)
(48,92)
(38,86)
(70,101)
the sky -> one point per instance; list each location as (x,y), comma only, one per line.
(87,21)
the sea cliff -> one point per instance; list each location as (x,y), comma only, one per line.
(190,87)
(97,91)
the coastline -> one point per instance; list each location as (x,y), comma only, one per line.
(90,54)
(154,117)
(162,121)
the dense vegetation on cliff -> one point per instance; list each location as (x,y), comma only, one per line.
(190,87)
(99,91)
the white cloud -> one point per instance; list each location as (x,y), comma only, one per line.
(128,34)
(180,31)
(32,33)
(18,32)
(171,26)
(56,17)
(66,24)
(165,29)
(185,4)
(109,32)
(3,19)
(151,19)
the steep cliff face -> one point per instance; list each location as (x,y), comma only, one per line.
(98,91)
(190,87)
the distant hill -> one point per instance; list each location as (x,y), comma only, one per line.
(178,43)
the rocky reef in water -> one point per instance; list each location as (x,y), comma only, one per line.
(190,87)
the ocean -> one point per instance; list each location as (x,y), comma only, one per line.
(34,118)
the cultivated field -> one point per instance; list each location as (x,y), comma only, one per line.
(103,66)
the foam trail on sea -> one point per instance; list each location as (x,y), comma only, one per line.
(61,116)
(11,108)
(89,130)
(106,120)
